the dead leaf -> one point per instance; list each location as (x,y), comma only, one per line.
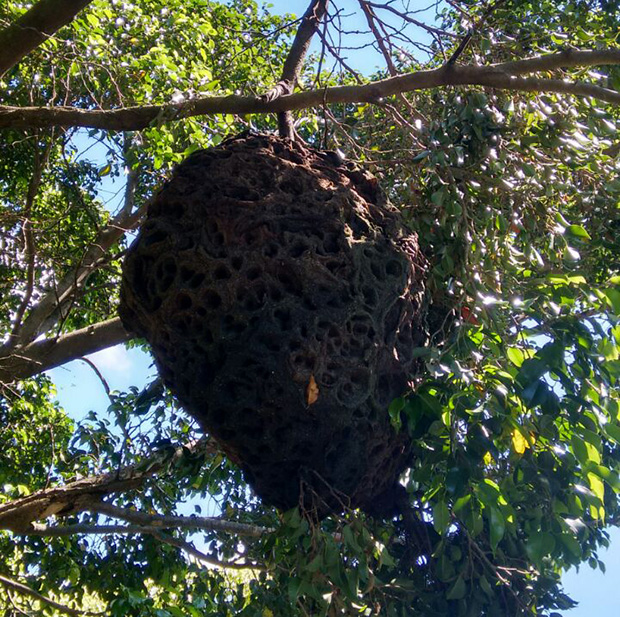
(312,391)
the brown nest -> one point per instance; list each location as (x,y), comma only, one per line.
(283,299)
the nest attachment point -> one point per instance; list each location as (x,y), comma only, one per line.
(282,297)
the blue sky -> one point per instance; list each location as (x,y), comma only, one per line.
(79,389)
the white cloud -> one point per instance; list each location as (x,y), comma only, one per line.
(114,359)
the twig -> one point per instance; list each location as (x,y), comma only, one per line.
(190,549)
(370,18)
(338,57)
(473,29)
(97,372)
(407,17)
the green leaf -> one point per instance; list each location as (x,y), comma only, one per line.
(396,406)
(613,295)
(293,588)
(578,231)
(93,20)
(497,525)
(486,586)
(458,590)
(438,197)
(539,544)
(441,517)
(597,486)
(580,449)
(515,355)
(460,503)
(613,431)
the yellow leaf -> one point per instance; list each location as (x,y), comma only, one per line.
(519,443)
(312,391)
(597,486)
(488,459)
(267,612)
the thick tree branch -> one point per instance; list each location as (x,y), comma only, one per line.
(19,515)
(567,59)
(35,27)
(505,76)
(24,362)
(155,523)
(154,529)
(297,54)
(63,531)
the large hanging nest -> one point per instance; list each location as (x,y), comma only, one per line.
(283,298)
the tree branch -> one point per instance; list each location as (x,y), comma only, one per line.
(46,354)
(566,59)
(370,19)
(19,515)
(504,76)
(40,162)
(406,17)
(49,309)
(156,523)
(190,549)
(294,62)
(10,583)
(154,529)
(62,531)
(474,28)
(162,521)
(35,27)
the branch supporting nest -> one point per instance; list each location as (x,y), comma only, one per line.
(503,76)
(294,63)
(162,521)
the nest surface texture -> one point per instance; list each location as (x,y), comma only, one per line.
(283,297)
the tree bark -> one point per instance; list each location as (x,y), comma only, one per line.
(295,60)
(35,27)
(24,362)
(86,494)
